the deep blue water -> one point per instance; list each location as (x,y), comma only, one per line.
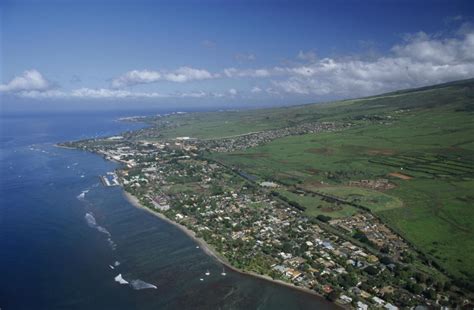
(51,258)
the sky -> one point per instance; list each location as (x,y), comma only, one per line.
(113,54)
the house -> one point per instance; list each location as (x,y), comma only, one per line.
(378,301)
(362,306)
(389,306)
(327,289)
(345,299)
(293,274)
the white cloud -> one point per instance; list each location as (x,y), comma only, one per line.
(47,94)
(30,80)
(185,74)
(105,93)
(88,93)
(180,75)
(422,48)
(112,93)
(135,77)
(420,60)
(193,94)
(239,73)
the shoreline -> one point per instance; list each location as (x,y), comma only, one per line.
(65,147)
(209,250)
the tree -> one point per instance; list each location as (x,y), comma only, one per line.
(371,270)
(430,294)
(415,288)
(386,260)
(323,218)
(333,296)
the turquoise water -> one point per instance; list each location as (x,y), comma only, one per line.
(61,232)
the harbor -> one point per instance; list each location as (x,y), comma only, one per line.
(109,179)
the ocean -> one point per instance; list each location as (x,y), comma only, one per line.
(65,238)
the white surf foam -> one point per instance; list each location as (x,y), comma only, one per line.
(141,285)
(103,230)
(82,195)
(120,279)
(112,244)
(90,219)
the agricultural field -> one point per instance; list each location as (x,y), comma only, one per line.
(421,142)
(315,205)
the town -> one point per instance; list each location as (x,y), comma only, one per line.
(356,261)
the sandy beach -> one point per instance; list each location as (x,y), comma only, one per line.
(209,250)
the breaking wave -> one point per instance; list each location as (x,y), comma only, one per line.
(141,285)
(103,230)
(120,279)
(82,195)
(90,219)
(135,284)
(112,244)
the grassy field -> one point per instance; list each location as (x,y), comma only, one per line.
(316,206)
(426,137)
(421,140)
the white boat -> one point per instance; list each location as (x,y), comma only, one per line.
(201,279)
(223,273)
(207,273)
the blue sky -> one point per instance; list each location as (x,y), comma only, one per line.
(228,52)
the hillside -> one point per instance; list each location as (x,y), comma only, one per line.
(420,141)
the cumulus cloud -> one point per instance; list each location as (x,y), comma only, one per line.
(112,93)
(135,77)
(30,80)
(185,74)
(180,75)
(420,60)
(241,73)
(420,47)
(105,93)
(88,93)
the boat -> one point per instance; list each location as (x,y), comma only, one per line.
(207,273)
(201,279)
(223,272)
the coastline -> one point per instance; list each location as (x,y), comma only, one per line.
(64,147)
(209,250)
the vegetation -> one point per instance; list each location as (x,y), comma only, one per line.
(420,140)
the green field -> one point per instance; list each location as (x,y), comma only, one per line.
(427,136)
(374,200)
(316,206)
